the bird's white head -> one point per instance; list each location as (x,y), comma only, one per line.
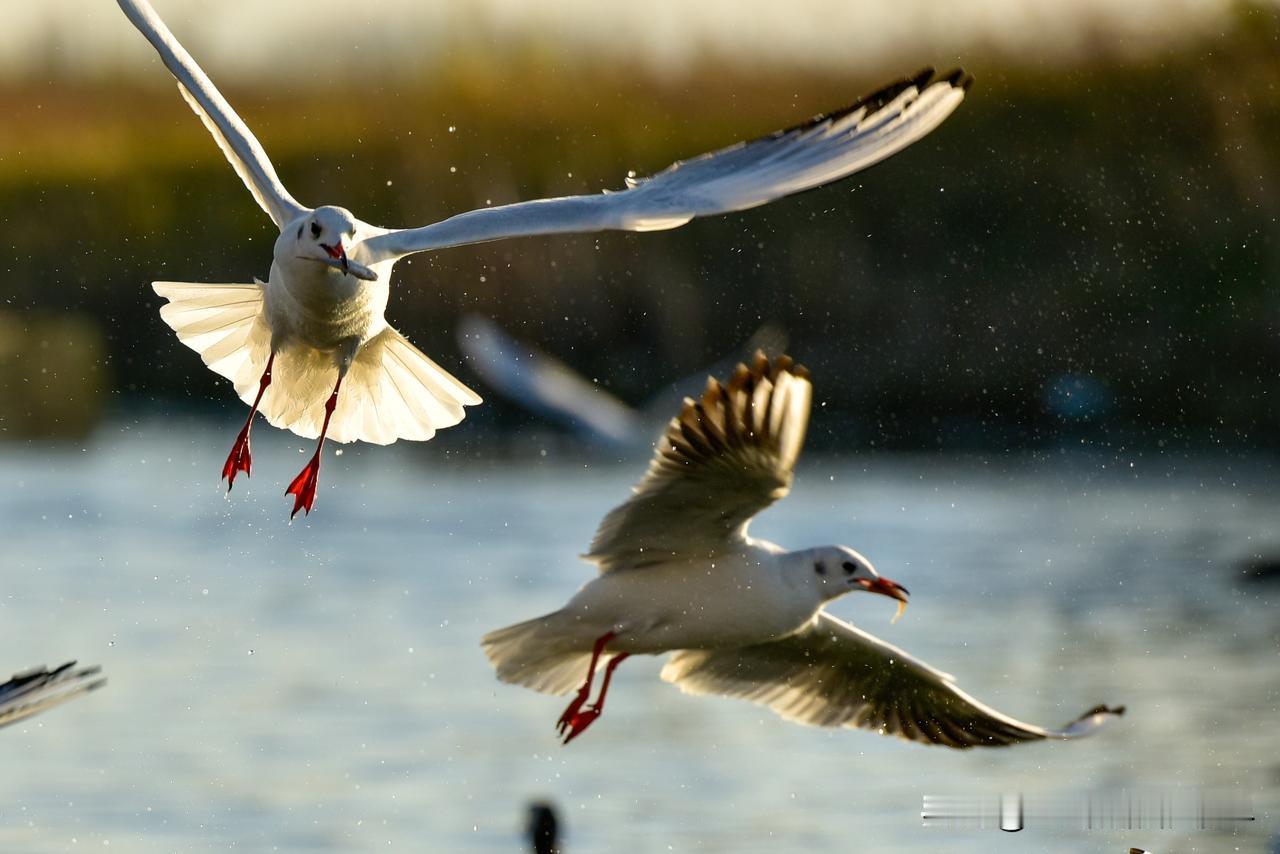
(324,236)
(837,570)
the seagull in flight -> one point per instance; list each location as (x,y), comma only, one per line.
(541,383)
(311,349)
(35,690)
(744,617)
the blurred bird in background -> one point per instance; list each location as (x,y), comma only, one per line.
(33,691)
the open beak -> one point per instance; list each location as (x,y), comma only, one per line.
(337,253)
(338,259)
(885,587)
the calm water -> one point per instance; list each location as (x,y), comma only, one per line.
(319,687)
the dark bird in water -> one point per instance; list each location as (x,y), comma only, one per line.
(544,829)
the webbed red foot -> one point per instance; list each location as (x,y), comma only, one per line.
(579,722)
(573,709)
(239,460)
(303,487)
(575,718)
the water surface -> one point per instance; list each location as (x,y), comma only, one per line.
(319,686)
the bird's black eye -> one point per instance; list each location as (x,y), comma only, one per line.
(849,567)
(819,568)
(315,229)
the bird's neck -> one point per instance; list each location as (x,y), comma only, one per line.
(318,278)
(795,574)
(799,570)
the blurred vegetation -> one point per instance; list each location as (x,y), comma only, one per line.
(52,375)
(1113,224)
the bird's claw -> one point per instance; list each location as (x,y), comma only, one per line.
(303,487)
(571,712)
(239,460)
(577,724)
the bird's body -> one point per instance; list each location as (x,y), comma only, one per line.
(682,604)
(744,617)
(321,307)
(311,348)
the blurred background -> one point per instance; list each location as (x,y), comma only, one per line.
(1045,346)
(1089,243)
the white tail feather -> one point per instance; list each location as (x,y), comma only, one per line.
(391,391)
(532,654)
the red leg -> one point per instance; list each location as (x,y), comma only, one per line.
(585,718)
(240,460)
(585,691)
(608,677)
(303,487)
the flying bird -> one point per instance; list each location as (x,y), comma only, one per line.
(35,690)
(311,349)
(544,385)
(744,617)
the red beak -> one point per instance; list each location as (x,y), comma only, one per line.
(885,587)
(337,253)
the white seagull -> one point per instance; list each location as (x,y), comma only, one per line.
(35,690)
(317,326)
(744,617)
(544,385)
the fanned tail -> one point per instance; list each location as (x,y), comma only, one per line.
(224,324)
(532,654)
(392,390)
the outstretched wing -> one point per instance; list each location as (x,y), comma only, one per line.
(236,141)
(832,674)
(742,176)
(723,459)
(35,690)
(546,385)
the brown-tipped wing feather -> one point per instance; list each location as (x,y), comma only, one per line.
(832,674)
(33,691)
(722,460)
